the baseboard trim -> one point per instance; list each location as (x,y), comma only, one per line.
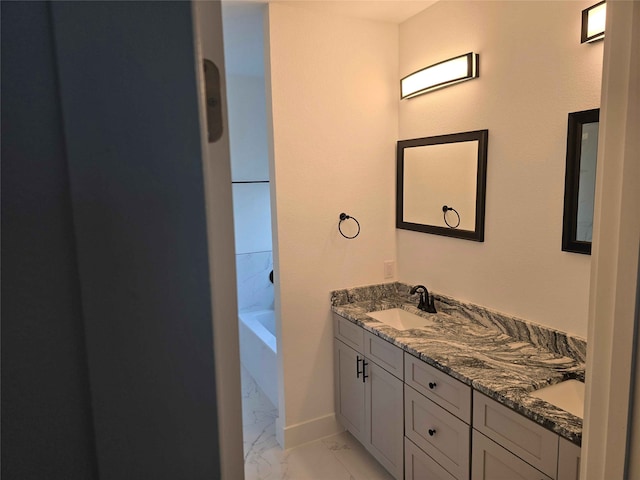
(305,432)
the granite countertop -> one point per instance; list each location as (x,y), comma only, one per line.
(502,367)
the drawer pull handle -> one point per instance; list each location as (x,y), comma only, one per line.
(432,432)
(364,370)
(432,385)
(358,360)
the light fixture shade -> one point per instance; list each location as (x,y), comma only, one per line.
(440,75)
(593,21)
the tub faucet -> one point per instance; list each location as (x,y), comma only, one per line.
(426,303)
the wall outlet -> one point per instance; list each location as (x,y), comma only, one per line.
(389,267)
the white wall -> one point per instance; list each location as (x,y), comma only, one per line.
(334,100)
(533,72)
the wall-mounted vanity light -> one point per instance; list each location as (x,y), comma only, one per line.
(440,75)
(593,20)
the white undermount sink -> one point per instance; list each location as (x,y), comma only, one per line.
(567,395)
(400,319)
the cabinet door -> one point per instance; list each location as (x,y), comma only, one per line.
(349,390)
(385,417)
(568,461)
(492,462)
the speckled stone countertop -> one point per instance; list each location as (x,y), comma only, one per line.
(505,358)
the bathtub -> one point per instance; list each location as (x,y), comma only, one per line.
(258,350)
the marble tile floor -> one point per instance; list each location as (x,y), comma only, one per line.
(339,457)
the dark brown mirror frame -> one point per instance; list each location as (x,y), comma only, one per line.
(477,235)
(572,181)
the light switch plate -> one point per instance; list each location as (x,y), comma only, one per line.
(389,268)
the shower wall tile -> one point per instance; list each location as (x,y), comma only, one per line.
(252,217)
(255,291)
(247,128)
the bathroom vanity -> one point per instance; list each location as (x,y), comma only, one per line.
(451,397)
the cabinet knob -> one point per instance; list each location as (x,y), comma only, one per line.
(432,385)
(432,432)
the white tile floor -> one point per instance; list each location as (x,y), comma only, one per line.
(339,457)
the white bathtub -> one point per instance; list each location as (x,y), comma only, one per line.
(258,350)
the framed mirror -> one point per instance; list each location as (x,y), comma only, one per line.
(441,184)
(580,181)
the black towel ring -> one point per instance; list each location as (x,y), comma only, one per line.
(445,209)
(343,217)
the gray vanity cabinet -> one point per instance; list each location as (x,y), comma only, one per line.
(422,424)
(369,399)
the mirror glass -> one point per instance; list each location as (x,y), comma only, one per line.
(580,181)
(587,184)
(441,184)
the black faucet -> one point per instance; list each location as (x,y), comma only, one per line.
(426,303)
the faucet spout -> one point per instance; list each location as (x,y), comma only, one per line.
(426,302)
(422,304)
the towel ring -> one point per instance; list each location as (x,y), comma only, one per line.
(445,209)
(343,217)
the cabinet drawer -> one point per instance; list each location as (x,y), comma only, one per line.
(384,353)
(441,435)
(420,466)
(451,394)
(528,440)
(492,462)
(349,333)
